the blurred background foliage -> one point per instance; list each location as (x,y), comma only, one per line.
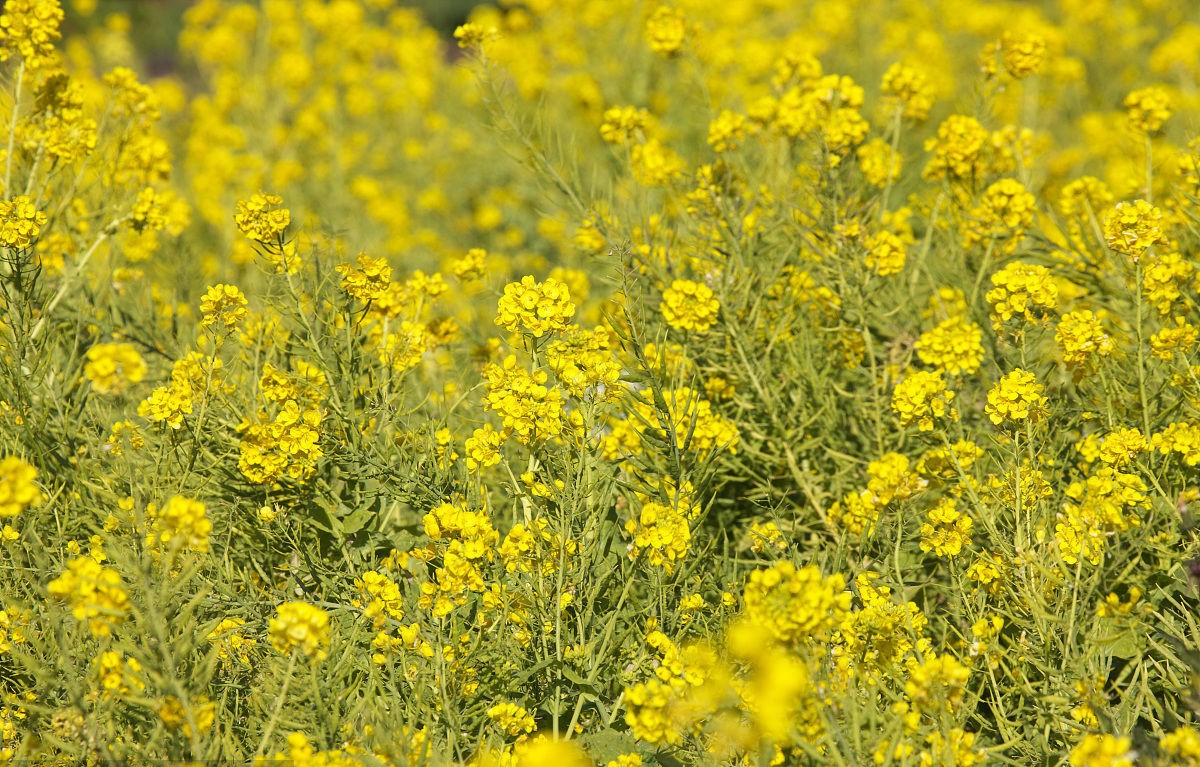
(156,23)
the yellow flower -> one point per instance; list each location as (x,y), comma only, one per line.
(29,28)
(688,305)
(937,684)
(182,523)
(222,305)
(885,254)
(300,626)
(1133,228)
(17,489)
(1023,54)
(1021,290)
(1102,751)
(513,719)
(1017,396)
(261,218)
(921,397)
(112,367)
(909,89)
(954,347)
(535,307)
(369,280)
(20,222)
(95,593)
(1148,108)
(666,30)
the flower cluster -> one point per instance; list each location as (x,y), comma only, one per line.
(921,397)
(94,592)
(181,525)
(368,280)
(535,307)
(20,221)
(18,489)
(262,219)
(1148,108)
(1015,398)
(688,305)
(1021,290)
(1133,228)
(223,307)
(300,626)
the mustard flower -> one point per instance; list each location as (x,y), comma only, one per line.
(20,222)
(921,397)
(261,218)
(946,530)
(302,626)
(1082,339)
(662,532)
(118,675)
(795,605)
(688,305)
(513,719)
(113,367)
(909,89)
(879,163)
(1016,397)
(175,716)
(528,408)
(666,30)
(183,523)
(953,347)
(535,307)
(483,447)
(1133,228)
(1182,743)
(1102,751)
(1023,53)
(18,490)
(885,254)
(937,685)
(30,28)
(233,646)
(1021,290)
(958,150)
(624,126)
(94,592)
(472,36)
(1148,108)
(223,306)
(1181,438)
(727,131)
(368,280)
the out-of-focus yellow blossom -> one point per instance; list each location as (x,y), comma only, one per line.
(1148,108)
(94,592)
(18,489)
(300,626)
(1102,751)
(666,30)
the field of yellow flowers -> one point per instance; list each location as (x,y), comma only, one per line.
(615,382)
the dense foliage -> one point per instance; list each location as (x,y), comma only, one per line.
(615,383)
